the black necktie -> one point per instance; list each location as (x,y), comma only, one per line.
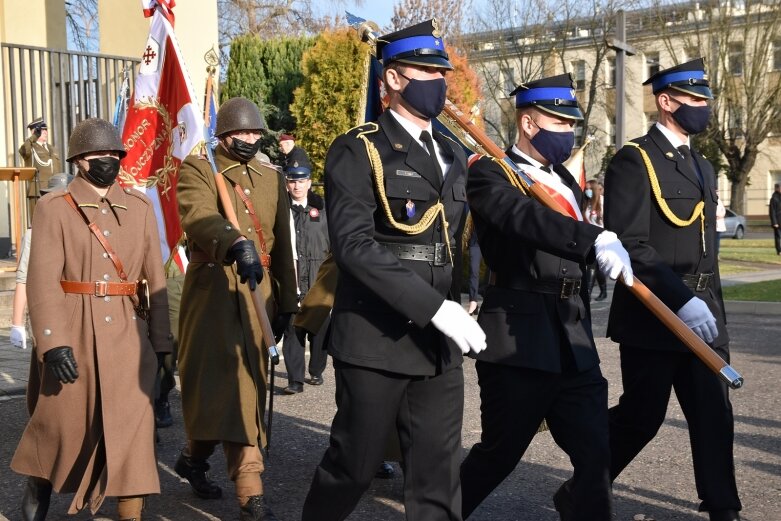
(687,155)
(545,169)
(429,142)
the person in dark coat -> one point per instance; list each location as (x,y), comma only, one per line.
(311,242)
(395,193)
(661,201)
(541,362)
(775,216)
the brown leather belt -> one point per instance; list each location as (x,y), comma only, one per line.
(100,288)
(201,256)
(565,288)
(698,282)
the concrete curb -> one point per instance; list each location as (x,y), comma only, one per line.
(752,307)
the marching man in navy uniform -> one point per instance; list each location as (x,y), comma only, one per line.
(670,233)
(395,193)
(541,361)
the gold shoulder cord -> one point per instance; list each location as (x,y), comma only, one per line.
(511,176)
(426,220)
(698,211)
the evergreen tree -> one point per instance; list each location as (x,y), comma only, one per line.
(327,102)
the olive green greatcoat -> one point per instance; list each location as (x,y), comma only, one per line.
(94,437)
(222,367)
(42,157)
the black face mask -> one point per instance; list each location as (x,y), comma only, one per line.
(102,171)
(425,96)
(244,151)
(692,120)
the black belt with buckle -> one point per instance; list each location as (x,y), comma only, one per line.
(697,282)
(565,288)
(433,253)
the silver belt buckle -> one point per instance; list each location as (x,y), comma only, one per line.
(702,282)
(569,287)
(101,287)
(440,257)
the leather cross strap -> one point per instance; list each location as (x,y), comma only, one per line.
(265,258)
(101,239)
(100,288)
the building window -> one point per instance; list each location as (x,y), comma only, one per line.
(652,65)
(611,72)
(578,131)
(508,75)
(736,59)
(579,72)
(611,131)
(777,55)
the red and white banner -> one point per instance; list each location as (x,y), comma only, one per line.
(552,184)
(163,126)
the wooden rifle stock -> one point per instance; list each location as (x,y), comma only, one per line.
(702,350)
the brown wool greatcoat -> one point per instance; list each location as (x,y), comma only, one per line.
(95,437)
(222,368)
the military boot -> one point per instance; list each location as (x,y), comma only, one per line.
(196,472)
(563,502)
(256,509)
(130,508)
(35,501)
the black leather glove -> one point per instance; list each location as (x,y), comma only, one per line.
(247,263)
(280,323)
(37,132)
(61,362)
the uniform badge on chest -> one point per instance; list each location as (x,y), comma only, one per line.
(314,214)
(410,208)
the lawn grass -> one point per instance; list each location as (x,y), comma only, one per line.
(733,268)
(748,250)
(767,291)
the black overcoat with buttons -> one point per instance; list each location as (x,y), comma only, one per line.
(103,423)
(522,239)
(383,306)
(660,251)
(222,363)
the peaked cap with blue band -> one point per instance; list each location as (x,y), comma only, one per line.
(687,77)
(297,165)
(420,44)
(555,95)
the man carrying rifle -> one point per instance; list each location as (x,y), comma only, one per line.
(222,363)
(661,200)
(395,200)
(541,362)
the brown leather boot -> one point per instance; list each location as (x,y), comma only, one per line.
(130,508)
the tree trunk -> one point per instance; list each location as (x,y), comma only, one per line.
(738,195)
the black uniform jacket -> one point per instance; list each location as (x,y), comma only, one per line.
(383,306)
(312,245)
(522,241)
(660,251)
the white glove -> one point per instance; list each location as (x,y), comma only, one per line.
(612,258)
(698,317)
(456,323)
(19,337)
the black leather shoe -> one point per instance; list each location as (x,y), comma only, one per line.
(35,501)
(196,472)
(385,471)
(602,295)
(724,515)
(562,500)
(163,416)
(257,509)
(315,380)
(294,388)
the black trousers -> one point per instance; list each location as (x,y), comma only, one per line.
(513,403)
(648,376)
(294,351)
(777,237)
(426,411)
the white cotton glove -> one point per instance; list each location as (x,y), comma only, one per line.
(456,323)
(698,317)
(19,337)
(612,258)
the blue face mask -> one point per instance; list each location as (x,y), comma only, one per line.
(425,96)
(692,120)
(589,193)
(556,147)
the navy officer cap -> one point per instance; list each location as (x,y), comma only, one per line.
(688,77)
(555,95)
(420,44)
(297,166)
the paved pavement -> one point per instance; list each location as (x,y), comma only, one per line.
(658,485)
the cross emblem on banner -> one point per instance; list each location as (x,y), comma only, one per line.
(148,55)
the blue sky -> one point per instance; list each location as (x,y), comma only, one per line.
(379,11)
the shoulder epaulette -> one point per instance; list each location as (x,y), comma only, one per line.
(364,128)
(138,195)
